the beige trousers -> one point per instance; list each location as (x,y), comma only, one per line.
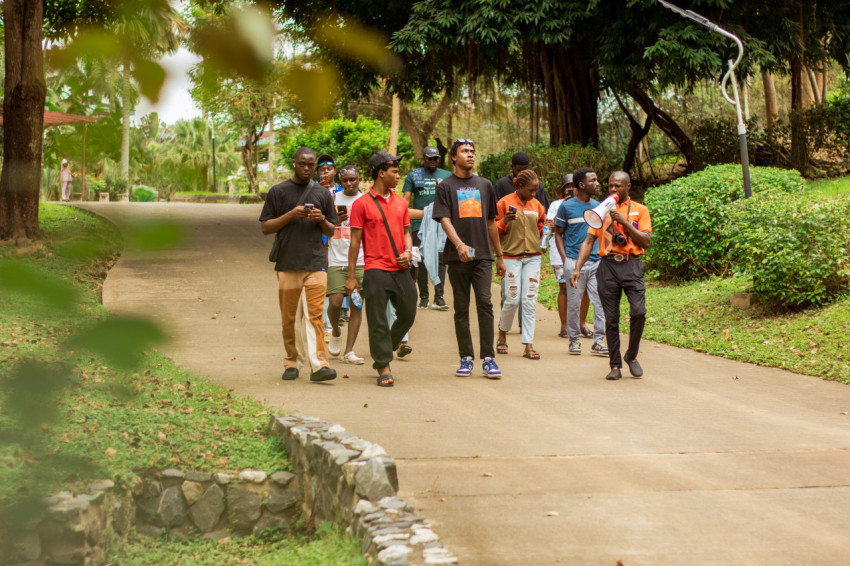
(302,297)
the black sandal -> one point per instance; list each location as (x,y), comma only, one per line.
(385,380)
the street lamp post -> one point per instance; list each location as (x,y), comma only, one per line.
(212,131)
(730,75)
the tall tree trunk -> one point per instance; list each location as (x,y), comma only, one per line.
(571,84)
(799,149)
(810,97)
(272,153)
(771,109)
(125,121)
(638,134)
(668,125)
(421,134)
(248,163)
(84,190)
(23,119)
(814,86)
(392,143)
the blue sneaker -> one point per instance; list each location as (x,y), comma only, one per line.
(490,369)
(465,367)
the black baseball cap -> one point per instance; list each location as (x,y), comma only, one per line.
(325,159)
(566,180)
(430,151)
(382,157)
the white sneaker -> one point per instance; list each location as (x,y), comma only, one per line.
(335,345)
(352,358)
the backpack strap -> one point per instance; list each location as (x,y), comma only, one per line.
(386,225)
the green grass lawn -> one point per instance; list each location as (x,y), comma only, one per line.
(328,547)
(698,316)
(831,187)
(68,416)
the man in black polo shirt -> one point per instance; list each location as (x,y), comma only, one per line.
(300,212)
(520,161)
(465,206)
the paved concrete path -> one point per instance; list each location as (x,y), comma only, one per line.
(704,461)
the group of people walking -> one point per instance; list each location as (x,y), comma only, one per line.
(335,245)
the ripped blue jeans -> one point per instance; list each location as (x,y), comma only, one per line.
(521,284)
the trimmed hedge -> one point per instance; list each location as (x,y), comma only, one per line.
(550,164)
(690,216)
(142,193)
(796,247)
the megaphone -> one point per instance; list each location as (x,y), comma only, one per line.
(596,216)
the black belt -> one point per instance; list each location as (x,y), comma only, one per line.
(620,258)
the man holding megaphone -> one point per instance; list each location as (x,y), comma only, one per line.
(624,235)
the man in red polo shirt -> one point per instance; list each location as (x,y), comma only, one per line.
(380,220)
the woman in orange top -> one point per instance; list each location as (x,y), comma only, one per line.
(520,218)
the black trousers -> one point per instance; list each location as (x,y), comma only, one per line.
(422,278)
(613,279)
(477,276)
(379,288)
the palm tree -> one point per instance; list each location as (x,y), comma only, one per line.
(190,153)
(148,29)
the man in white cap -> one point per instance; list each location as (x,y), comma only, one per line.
(65,176)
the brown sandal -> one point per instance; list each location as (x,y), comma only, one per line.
(385,380)
(531,355)
(501,348)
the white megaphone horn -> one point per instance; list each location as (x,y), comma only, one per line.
(596,216)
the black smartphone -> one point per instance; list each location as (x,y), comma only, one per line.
(308,205)
(512,209)
(341,209)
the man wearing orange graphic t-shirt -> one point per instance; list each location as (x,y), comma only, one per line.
(625,235)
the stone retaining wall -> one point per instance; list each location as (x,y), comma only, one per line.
(337,477)
(346,479)
(218,505)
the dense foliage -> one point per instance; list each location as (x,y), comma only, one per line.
(349,142)
(826,127)
(795,246)
(550,164)
(690,217)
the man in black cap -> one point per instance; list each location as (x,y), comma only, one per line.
(419,190)
(520,161)
(380,219)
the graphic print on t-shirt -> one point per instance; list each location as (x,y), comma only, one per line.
(469,203)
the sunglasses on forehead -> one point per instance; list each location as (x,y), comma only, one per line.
(462,141)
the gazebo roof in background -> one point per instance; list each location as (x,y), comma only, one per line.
(52,118)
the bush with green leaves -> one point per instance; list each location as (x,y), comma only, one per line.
(95,185)
(797,247)
(141,193)
(116,186)
(550,164)
(349,142)
(690,238)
